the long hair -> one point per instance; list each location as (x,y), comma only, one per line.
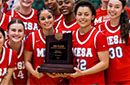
(124,23)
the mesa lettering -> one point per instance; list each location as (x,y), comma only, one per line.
(78,52)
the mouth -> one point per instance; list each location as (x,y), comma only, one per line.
(82,21)
(16,37)
(64,10)
(112,14)
(50,6)
(47,24)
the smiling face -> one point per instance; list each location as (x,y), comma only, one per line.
(84,16)
(52,4)
(66,6)
(46,20)
(26,3)
(16,32)
(115,9)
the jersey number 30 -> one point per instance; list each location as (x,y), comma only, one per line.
(115,52)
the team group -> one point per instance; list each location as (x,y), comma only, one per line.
(101,42)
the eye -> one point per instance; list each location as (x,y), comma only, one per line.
(13,30)
(42,18)
(67,2)
(117,7)
(60,2)
(79,13)
(20,30)
(49,17)
(110,5)
(86,14)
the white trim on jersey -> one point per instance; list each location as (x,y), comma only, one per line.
(10,56)
(3,55)
(2,20)
(95,38)
(41,37)
(12,13)
(21,50)
(6,43)
(68,26)
(86,38)
(111,31)
(57,26)
(99,27)
(59,18)
(9,18)
(33,40)
(27,17)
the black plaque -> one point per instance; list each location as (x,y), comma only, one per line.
(58,55)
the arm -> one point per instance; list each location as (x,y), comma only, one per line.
(102,65)
(28,65)
(7,77)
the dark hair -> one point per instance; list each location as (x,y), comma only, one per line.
(124,23)
(85,3)
(3,32)
(15,21)
(40,10)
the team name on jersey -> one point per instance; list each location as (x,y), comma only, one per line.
(78,52)
(30,26)
(20,65)
(111,40)
(101,19)
(41,52)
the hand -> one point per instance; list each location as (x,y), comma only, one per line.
(77,73)
(55,75)
(37,74)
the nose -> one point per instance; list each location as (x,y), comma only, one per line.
(82,16)
(63,4)
(16,32)
(112,8)
(46,20)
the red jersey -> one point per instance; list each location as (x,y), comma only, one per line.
(58,18)
(4,21)
(20,73)
(62,27)
(101,16)
(30,21)
(85,48)
(36,43)
(8,59)
(119,52)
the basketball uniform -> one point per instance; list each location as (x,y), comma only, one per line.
(85,48)
(36,43)
(30,21)
(119,54)
(8,59)
(20,73)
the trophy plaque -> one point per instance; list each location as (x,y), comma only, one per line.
(59,56)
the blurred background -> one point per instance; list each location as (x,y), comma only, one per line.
(40,3)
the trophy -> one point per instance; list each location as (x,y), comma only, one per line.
(59,56)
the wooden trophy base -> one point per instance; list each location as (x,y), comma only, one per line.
(58,68)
